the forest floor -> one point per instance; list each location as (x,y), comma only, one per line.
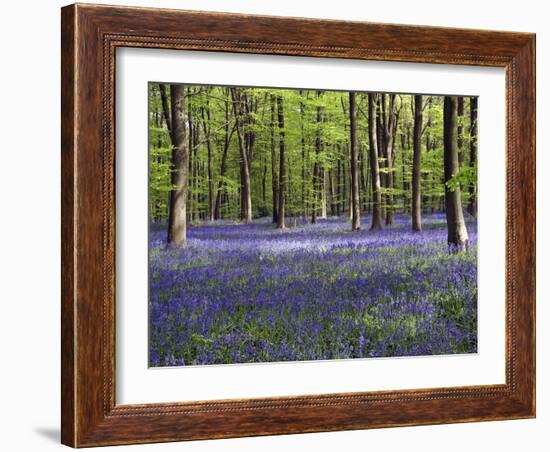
(251,293)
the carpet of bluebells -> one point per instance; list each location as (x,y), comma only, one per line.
(250,293)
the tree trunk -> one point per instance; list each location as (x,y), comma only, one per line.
(206,128)
(472,206)
(223,168)
(367,189)
(304,161)
(195,136)
(433,200)
(345,182)
(404,184)
(338,187)
(380,138)
(165,108)
(264,188)
(191,166)
(245,169)
(177,224)
(274,176)
(316,178)
(417,149)
(460,130)
(375,173)
(282,181)
(390,126)
(250,104)
(457,233)
(243,191)
(332,193)
(350,212)
(355,202)
(362,181)
(323,177)
(219,189)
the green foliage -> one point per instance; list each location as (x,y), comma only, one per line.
(465,177)
(309,116)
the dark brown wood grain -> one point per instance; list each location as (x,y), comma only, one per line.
(90,36)
(67,226)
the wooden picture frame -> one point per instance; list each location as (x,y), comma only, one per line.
(90,36)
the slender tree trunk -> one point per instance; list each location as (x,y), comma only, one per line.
(206,128)
(345,182)
(210,183)
(367,188)
(405,185)
(339,188)
(245,169)
(165,108)
(390,126)
(457,233)
(460,130)
(167,116)
(323,178)
(433,200)
(201,195)
(417,152)
(264,188)
(177,225)
(381,137)
(274,176)
(303,144)
(243,191)
(282,181)
(153,94)
(350,190)
(191,166)
(472,206)
(219,189)
(375,173)
(363,201)
(250,105)
(316,178)
(355,202)
(196,173)
(223,168)
(332,193)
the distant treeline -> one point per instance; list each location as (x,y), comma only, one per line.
(241,153)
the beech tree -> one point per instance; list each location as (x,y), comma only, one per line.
(388,127)
(316,166)
(177,219)
(282,181)
(246,197)
(205,112)
(375,172)
(417,150)
(304,155)
(225,142)
(274,177)
(456,228)
(355,204)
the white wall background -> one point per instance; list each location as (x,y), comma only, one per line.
(29,225)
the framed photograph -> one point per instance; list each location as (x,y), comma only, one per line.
(281,225)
